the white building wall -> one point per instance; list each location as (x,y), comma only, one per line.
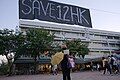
(100,41)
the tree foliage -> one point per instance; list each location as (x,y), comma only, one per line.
(9,43)
(34,43)
(38,41)
(76,46)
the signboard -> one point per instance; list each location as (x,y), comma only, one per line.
(51,11)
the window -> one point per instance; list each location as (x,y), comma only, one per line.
(116,37)
(105,45)
(91,35)
(78,34)
(57,32)
(110,37)
(104,37)
(112,45)
(97,35)
(82,34)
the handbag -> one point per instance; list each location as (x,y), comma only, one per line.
(69,64)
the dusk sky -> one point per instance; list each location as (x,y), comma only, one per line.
(105,14)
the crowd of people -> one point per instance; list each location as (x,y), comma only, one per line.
(110,64)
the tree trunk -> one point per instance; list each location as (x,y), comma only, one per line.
(9,66)
(35,64)
(83,56)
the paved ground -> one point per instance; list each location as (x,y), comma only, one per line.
(75,76)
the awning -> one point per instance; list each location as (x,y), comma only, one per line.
(24,61)
(29,61)
(80,61)
(44,61)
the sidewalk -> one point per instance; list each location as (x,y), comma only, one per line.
(75,76)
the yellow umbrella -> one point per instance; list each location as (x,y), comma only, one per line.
(57,58)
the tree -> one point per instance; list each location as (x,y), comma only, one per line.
(34,43)
(20,45)
(76,46)
(7,45)
(10,42)
(38,41)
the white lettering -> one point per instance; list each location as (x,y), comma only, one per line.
(59,13)
(64,15)
(52,10)
(82,18)
(34,7)
(44,9)
(28,9)
(74,14)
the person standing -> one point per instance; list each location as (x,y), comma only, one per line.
(54,69)
(64,65)
(98,67)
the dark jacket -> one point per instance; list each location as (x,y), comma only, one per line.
(64,62)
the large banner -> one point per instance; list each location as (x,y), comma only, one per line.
(46,10)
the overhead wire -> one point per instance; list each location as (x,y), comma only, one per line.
(105,11)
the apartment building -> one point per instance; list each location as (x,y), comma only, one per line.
(100,42)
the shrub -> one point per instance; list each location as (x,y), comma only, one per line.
(3,69)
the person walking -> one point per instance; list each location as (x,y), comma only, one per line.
(109,63)
(106,66)
(115,66)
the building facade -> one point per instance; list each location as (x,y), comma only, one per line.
(100,42)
